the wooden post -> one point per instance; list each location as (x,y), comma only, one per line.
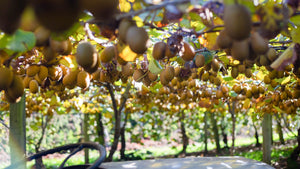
(17,133)
(86,137)
(267,137)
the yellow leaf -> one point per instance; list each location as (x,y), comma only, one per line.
(126,53)
(286,80)
(211,40)
(260,75)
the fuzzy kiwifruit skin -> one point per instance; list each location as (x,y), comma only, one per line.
(223,40)
(237,20)
(123,28)
(86,56)
(159,50)
(70,79)
(258,44)
(10,14)
(271,54)
(137,39)
(33,86)
(240,50)
(49,54)
(199,60)
(32,70)
(16,89)
(101,9)
(137,75)
(108,54)
(83,79)
(63,47)
(127,70)
(56,15)
(188,53)
(6,78)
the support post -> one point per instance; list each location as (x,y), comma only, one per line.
(267,137)
(17,133)
(86,137)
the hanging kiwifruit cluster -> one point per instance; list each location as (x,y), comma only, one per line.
(136,37)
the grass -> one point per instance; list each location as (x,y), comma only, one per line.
(163,151)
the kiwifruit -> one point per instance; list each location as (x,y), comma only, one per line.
(234,72)
(55,73)
(138,75)
(274,83)
(94,68)
(49,54)
(240,50)
(123,28)
(248,72)
(146,81)
(56,15)
(26,81)
(217,81)
(169,53)
(205,76)
(264,61)
(6,78)
(177,71)
(10,14)
(258,44)
(188,53)
(219,94)
(169,73)
(254,89)
(101,9)
(42,36)
(248,93)
(121,61)
(215,65)
(224,89)
(241,68)
(70,79)
(271,54)
(163,80)
(199,60)
(137,39)
(33,86)
(16,89)
(223,40)
(237,20)
(43,73)
(108,54)
(267,79)
(32,70)
(86,56)
(153,77)
(127,70)
(237,89)
(159,50)
(83,79)
(63,47)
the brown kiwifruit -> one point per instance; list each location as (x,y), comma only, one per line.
(10,14)
(33,86)
(55,73)
(32,70)
(223,40)
(108,54)
(138,75)
(205,76)
(267,79)
(16,89)
(6,78)
(258,44)
(137,38)
(101,9)
(42,36)
(169,73)
(237,20)
(169,53)
(49,54)
(43,73)
(199,60)
(234,72)
(56,15)
(188,53)
(240,50)
(83,79)
(248,72)
(127,70)
(86,56)
(70,79)
(63,47)
(123,28)
(264,61)
(159,50)
(215,65)
(241,68)
(153,77)
(271,54)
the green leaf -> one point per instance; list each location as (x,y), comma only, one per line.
(228,78)
(20,41)
(208,56)
(154,66)
(296,20)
